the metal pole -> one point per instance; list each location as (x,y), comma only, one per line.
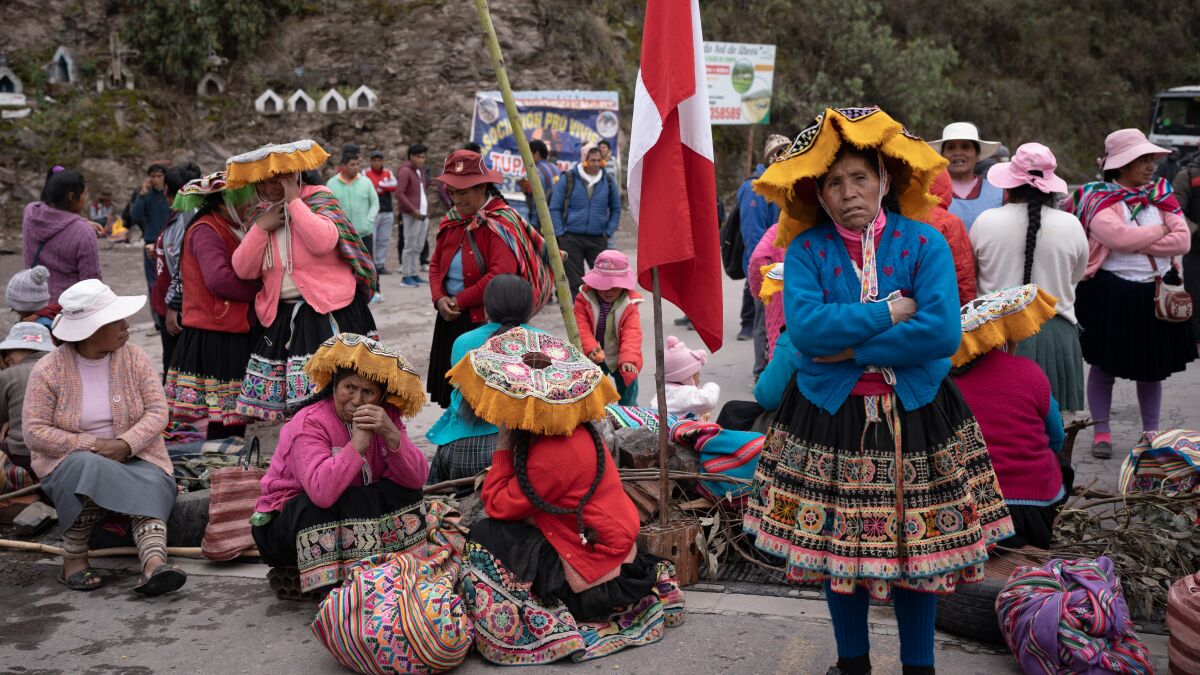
(664,484)
(566,303)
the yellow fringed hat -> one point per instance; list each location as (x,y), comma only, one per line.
(791,181)
(533,381)
(374,361)
(995,319)
(772,283)
(273,160)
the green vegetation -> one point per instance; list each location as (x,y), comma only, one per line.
(176,38)
(80,125)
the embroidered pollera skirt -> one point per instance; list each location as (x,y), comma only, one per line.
(206,373)
(275,385)
(825,495)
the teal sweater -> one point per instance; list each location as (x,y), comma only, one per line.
(824,315)
(358,199)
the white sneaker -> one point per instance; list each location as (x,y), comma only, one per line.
(378,297)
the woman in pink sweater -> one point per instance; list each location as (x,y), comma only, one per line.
(1136,236)
(345,481)
(296,243)
(93,420)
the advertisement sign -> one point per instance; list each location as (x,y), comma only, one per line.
(565,120)
(740,78)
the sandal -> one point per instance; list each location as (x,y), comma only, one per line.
(166,578)
(79,580)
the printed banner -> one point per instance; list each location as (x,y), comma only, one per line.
(565,120)
(740,77)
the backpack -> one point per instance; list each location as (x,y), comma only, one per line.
(527,244)
(733,248)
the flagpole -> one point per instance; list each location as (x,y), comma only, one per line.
(660,381)
(566,303)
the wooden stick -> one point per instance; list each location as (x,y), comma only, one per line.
(176,551)
(28,490)
(449,485)
(660,381)
(566,303)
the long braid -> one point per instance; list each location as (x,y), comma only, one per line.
(521,454)
(1034,210)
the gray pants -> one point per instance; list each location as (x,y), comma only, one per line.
(383,236)
(760,337)
(416,230)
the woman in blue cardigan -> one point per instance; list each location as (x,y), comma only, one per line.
(875,479)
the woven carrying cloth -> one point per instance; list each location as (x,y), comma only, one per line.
(1169,463)
(534,382)
(273,160)
(526,242)
(1070,617)
(1007,315)
(373,360)
(791,181)
(399,612)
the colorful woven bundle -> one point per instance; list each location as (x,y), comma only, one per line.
(1070,617)
(399,612)
(722,451)
(526,242)
(1169,463)
(633,417)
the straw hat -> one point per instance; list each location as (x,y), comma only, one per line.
(533,381)
(374,361)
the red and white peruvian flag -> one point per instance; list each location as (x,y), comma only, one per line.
(672,181)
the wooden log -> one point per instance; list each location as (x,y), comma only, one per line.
(675,541)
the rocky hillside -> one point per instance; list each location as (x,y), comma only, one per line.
(1064,75)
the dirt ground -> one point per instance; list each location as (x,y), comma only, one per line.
(405,319)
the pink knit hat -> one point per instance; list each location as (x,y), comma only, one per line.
(1033,164)
(681,363)
(611,270)
(1125,145)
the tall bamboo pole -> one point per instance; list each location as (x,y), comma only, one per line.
(565,302)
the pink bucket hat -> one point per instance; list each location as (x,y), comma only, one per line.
(611,270)
(681,363)
(1125,145)
(1029,158)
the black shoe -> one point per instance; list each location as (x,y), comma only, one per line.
(383,270)
(1102,450)
(683,321)
(745,334)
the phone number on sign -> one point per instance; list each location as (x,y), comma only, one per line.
(725,112)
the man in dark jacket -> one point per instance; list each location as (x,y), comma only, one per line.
(586,209)
(546,170)
(150,212)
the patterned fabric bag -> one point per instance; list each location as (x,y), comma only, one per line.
(399,612)
(722,451)
(235,489)
(1170,463)
(1069,616)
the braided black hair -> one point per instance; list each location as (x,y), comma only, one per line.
(1034,199)
(523,439)
(494,191)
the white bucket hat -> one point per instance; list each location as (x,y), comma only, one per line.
(90,304)
(28,335)
(965,131)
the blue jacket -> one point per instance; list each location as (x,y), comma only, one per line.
(824,315)
(777,376)
(756,215)
(595,216)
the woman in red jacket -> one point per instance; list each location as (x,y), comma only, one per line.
(558,548)
(219,325)
(467,255)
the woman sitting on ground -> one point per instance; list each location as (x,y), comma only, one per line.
(1012,400)
(94,416)
(345,480)
(558,546)
(465,442)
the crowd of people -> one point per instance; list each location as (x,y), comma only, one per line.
(920,329)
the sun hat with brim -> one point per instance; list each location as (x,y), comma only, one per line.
(464,169)
(273,160)
(1125,145)
(965,131)
(791,182)
(772,282)
(194,193)
(28,335)
(1032,165)
(373,360)
(611,270)
(1007,315)
(532,381)
(89,305)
